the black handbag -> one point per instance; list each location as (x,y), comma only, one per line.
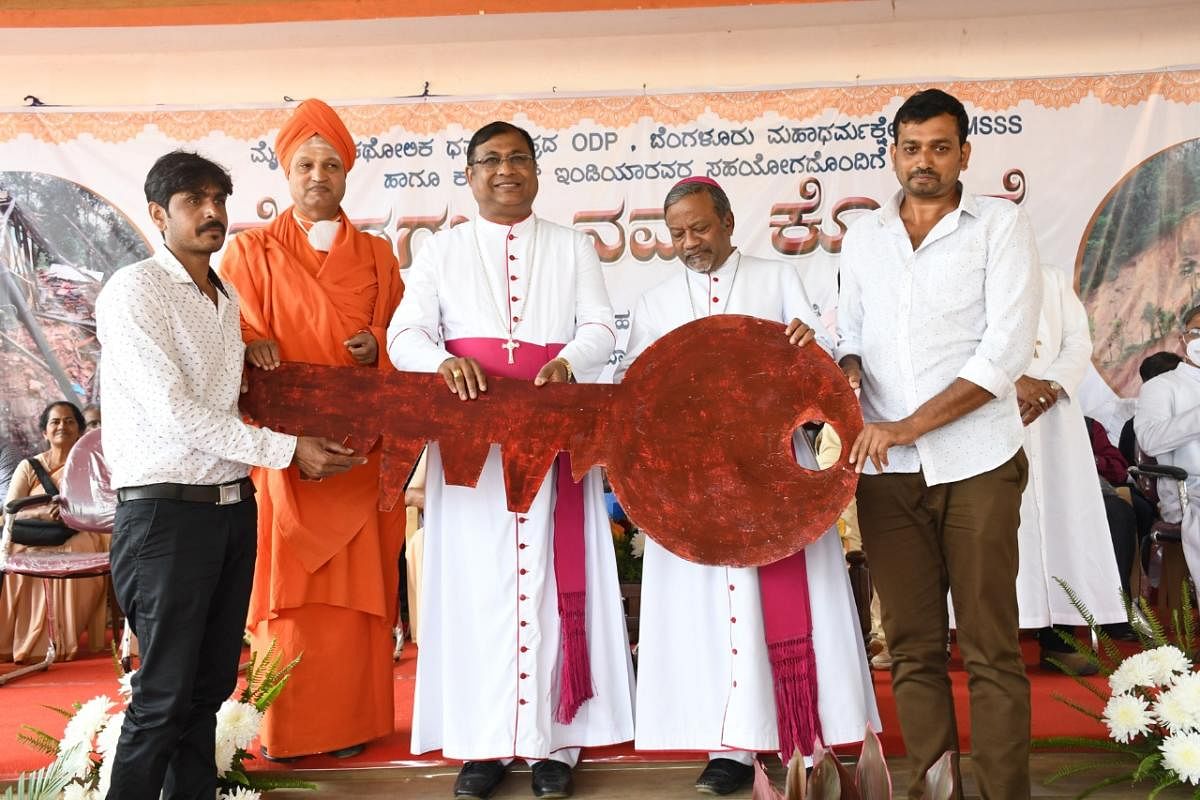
(38,532)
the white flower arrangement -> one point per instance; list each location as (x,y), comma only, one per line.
(92,731)
(1151,712)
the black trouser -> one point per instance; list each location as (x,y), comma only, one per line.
(182,573)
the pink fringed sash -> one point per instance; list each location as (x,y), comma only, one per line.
(569,571)
(787,623)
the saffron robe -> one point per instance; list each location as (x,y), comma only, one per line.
(704,679)
(327,576)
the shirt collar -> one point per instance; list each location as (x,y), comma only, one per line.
(889,212)
(497,228)
(178,274)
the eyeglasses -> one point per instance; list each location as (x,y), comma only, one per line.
(1191,333)
(514,160)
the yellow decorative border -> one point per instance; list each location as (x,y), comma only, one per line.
(426,117)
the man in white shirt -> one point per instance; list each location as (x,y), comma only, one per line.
(937,318)
(513,295)
(709,675)
(184,536)
(1167,425)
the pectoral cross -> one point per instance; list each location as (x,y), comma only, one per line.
(510,346)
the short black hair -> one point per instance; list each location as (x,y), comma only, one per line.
(928,104)
(44,419)
(1154,365)
(681,190)
(182,171)
(493,129)
(1188,315)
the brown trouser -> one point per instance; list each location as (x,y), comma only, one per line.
(920,542)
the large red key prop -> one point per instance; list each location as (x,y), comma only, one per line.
(697,439)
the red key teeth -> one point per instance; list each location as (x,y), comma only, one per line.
(524,472)
(463,460)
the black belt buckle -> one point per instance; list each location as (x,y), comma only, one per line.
(230,493)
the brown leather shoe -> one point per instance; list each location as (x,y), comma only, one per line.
(1071,663)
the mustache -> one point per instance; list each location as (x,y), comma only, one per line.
(210,226)
(917,173)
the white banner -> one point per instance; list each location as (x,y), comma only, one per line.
(1108,168)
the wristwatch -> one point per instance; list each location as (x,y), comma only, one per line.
(1056,387)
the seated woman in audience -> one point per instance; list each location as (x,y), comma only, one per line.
(78,603)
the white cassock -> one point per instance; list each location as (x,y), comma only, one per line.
(1167,425)
(704,681)
(1064,531)
(488,664)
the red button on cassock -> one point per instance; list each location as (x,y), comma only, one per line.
(523,623)
(515,298)
(733,619)
(521,701)
(716,299)
(524,675)
(523,597)
(521,546)
(524,649)
(512,258)
(735,651)
(731,587)
(524,571)
(512,277)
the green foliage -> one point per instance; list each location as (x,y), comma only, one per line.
(265,678)
(46,783)
(1143,752)
(629,565)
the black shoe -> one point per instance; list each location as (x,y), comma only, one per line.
(479,778)
(348,752)
(1067,663)
(1121,631)
(278,759)
(552,779)
(724,776)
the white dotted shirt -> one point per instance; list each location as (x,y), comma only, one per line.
(171,370)
(965,304)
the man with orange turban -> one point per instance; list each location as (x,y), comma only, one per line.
(315,289)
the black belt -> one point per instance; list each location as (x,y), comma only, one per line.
(224,494)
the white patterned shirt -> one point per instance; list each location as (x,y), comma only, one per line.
(965,305)
(171,371)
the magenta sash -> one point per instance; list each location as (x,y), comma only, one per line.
(569,547)
(787,625)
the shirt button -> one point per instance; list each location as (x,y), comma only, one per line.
(523,597)
(735,651)
(731,587)
(515,298)
(522,571)
(735,684)
(716,279)
(521,701)
(512,258)
(524,649)
(733,619)
(716,299)
(522,519)
(511,237)
(516,319)
(523,623)
(524,675)
(512,277)
(521,546)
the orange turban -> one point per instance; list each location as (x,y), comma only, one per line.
(313,118)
